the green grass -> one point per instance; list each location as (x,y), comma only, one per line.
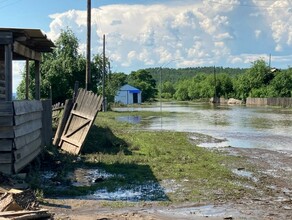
(137,156)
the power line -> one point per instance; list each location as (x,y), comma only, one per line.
(9,4)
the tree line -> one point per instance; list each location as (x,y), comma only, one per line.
(65,65)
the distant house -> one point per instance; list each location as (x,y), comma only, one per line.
(128,94)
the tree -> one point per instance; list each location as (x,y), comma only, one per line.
(113,83)
(61,69)
(143,81)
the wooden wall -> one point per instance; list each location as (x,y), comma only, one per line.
(2,81)
(6,136)
(21,137)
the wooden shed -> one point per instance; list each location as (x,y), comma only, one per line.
(25,125)
(128,95)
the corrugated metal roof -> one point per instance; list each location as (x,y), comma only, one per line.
(34,39)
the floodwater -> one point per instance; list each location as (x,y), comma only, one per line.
(236,126)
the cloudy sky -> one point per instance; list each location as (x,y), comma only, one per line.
(170,33)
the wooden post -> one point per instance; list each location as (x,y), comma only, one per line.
(27,79)
(103,78)
(8,72)
(88,59)
(37,80)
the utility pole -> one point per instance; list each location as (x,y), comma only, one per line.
(103,77)
(88,59)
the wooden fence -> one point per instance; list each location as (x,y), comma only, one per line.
(25,128)
(284,102)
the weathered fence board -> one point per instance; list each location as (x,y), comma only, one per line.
(30,126)
(6,120)
(24,106)
(20,119)
(6,108)
(22,163)
(47,132)
(27,150)
(6,168)
(80,120)
(284,102)
(6,144)
(6,132)
(5,157)
(21,141)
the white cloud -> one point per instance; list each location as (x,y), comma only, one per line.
(202,33)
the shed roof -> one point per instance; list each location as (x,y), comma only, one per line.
(130,88)
(34,39)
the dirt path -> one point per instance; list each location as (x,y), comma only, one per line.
(271,176)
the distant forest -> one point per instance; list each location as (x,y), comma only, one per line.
(175,75)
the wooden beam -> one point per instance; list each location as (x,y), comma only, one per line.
(37,80)
(8,72)
(27,79)
(6,38)
(26,52)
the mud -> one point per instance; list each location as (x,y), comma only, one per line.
(269,171)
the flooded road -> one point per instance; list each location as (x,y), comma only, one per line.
(237,126)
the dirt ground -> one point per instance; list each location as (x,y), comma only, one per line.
(272,173)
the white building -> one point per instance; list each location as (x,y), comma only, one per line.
(128,95)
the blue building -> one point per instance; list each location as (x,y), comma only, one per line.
(128,94)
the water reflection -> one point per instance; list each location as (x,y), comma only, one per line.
(241,126)
(129,119)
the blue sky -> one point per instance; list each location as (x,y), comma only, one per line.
(172,33)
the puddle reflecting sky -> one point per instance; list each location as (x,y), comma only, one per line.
(241,126)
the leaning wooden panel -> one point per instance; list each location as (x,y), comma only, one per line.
(5,157)
(80,121)
(6,132)
(6,108)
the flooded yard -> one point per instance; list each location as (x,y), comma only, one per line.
(236,126)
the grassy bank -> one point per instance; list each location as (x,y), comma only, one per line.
(134,156)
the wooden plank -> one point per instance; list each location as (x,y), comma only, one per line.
(82,114)
(27,149)
(26,52)
(6,120)
(20,119)
(6,144)
(5,157)
(81,125)
(6,168)
(62,121)
(6,108)
(27,127)
(47,131)
(25,161)
(25,106)
(6,132)
(21,141)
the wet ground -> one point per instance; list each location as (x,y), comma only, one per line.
(270,173)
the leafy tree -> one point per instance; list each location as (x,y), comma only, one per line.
(143,81)
(60,69)
(167,90)
(113,83)
(282,84)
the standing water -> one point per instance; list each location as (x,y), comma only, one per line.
(237,126)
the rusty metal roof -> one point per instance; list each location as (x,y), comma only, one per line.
(34,39)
